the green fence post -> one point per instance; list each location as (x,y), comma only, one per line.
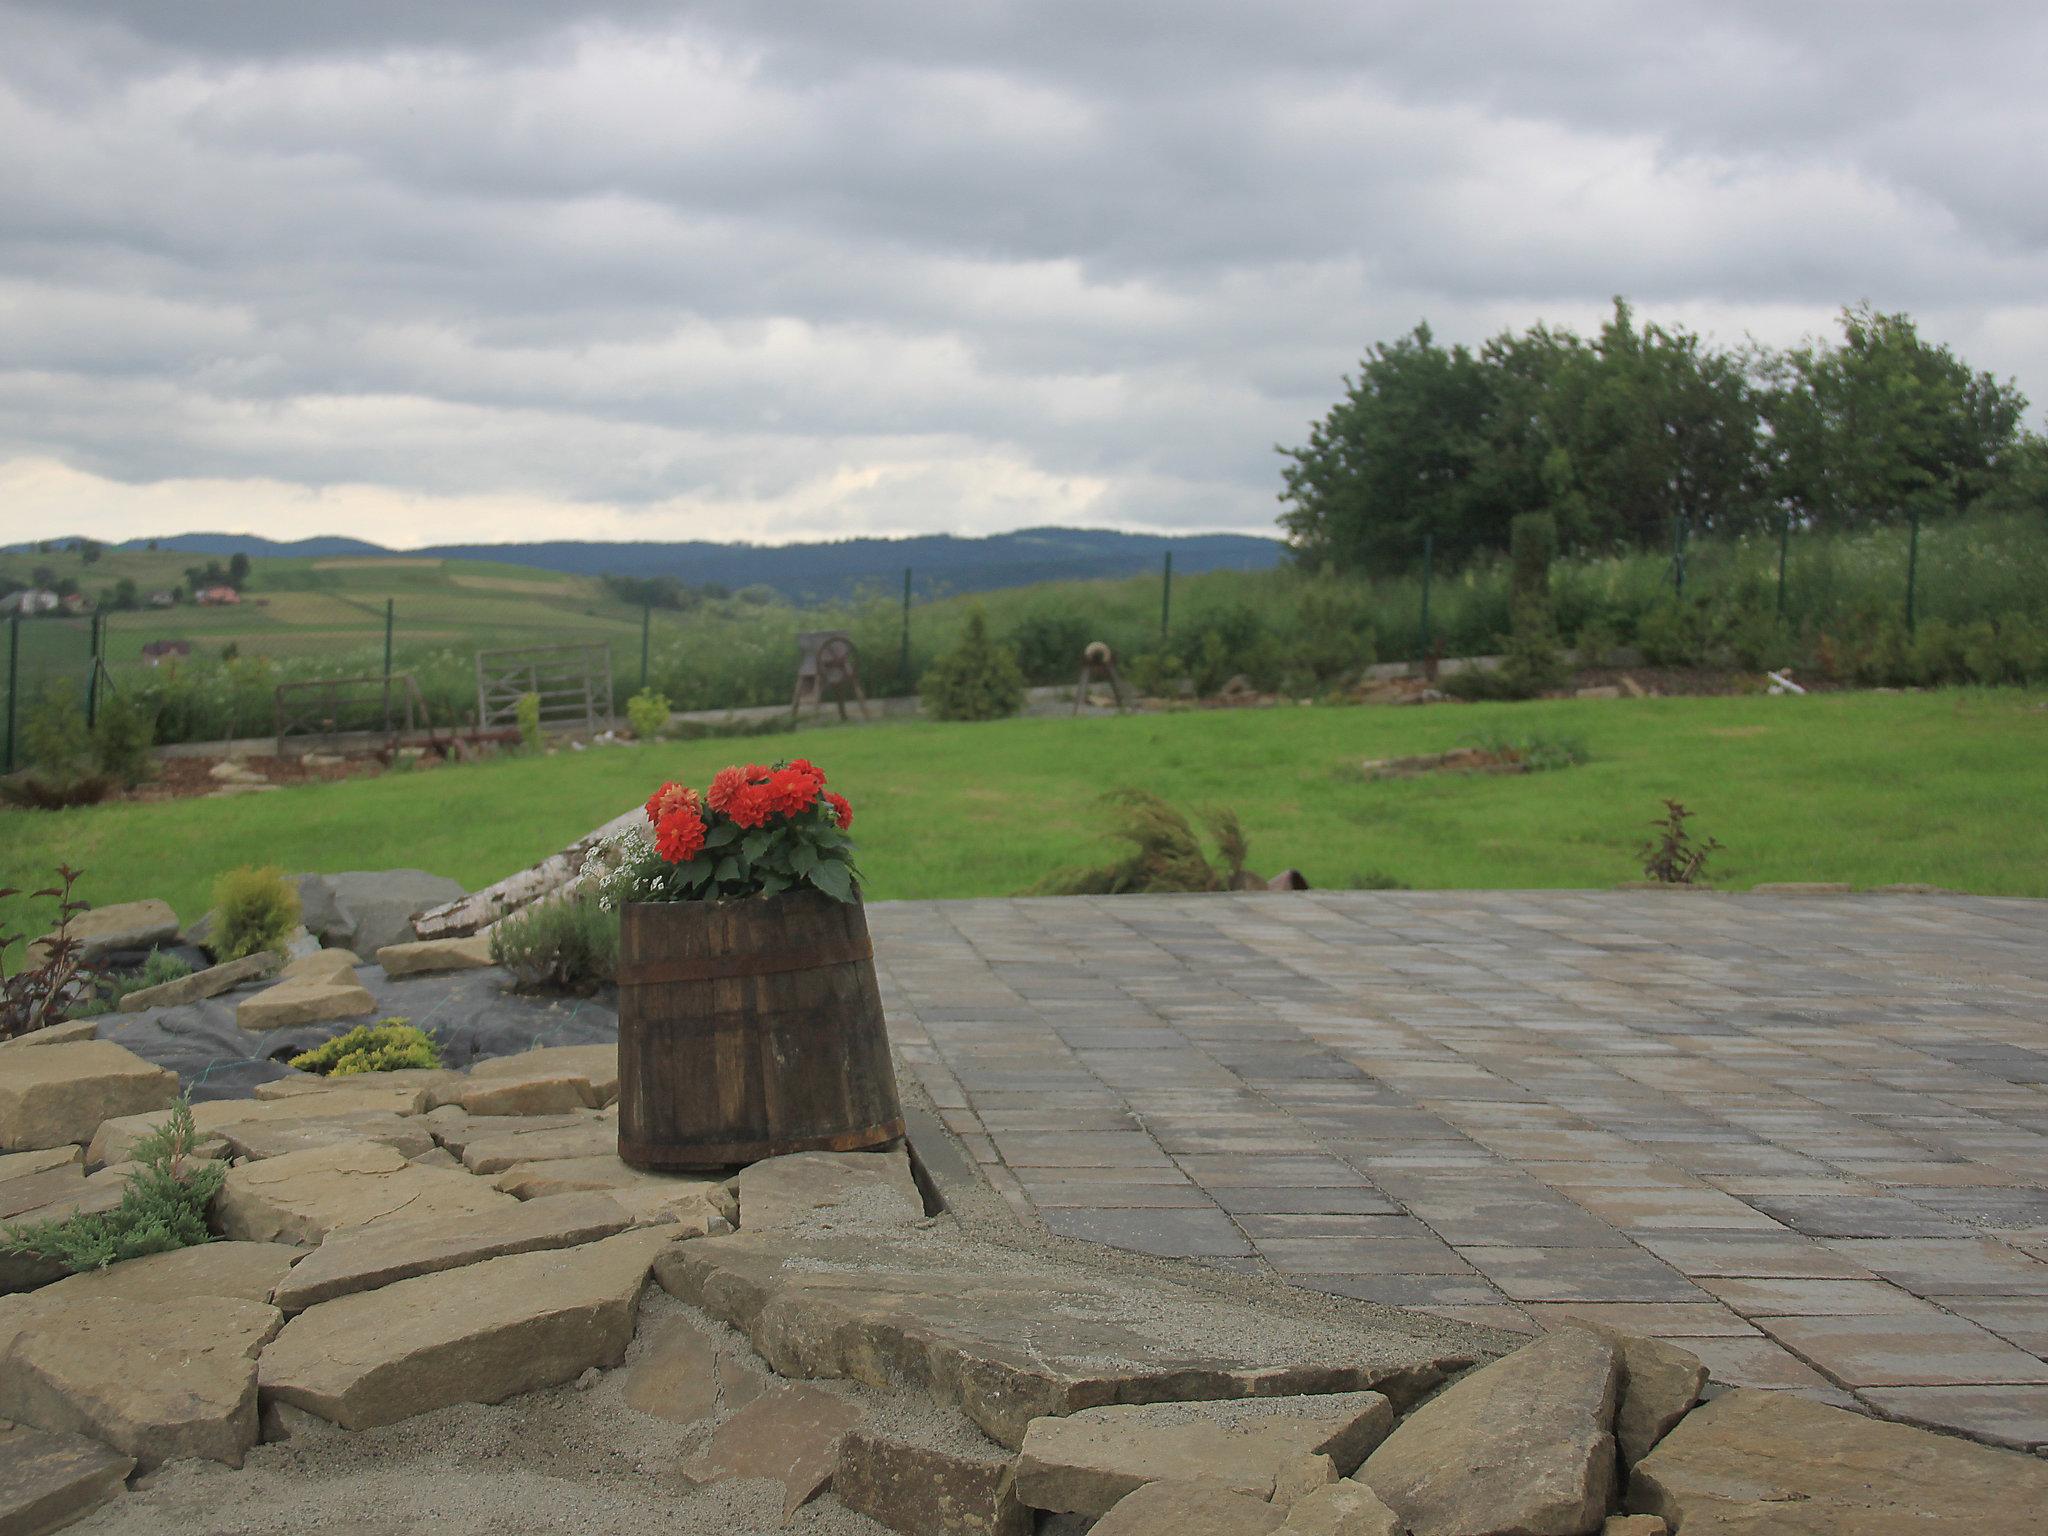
(903,664)
(1428,566)
(1678,555)
(13,682)
(1912,567)
(646,632)
(1784,545)
(92,676)
(1166,597)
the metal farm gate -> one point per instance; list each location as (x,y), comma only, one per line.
(572,682)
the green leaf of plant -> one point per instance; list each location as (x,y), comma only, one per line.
(803,858)
(756,844)
(721,833)
(834,879)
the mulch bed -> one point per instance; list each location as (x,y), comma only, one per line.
(189,778)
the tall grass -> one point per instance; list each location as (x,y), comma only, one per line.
(1280,628)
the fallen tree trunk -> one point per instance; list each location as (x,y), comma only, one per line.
(474,913)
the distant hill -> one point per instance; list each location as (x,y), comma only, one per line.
(939,562)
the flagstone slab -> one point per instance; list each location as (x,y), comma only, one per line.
(68,1033)
(696,1206)
(1347,1509)
(807,1189)
(478,1334)
(235,1271)
(60,1093)
(305,1001)
(593,1137)
(597,1065)
(455,1128)
(1525,1444)
(158,1381)
(114,1141)
(1189,1509)
(105,930)
(431,957)
(1085,1462)
(201,985)
(21,1165)
(1010,1336)
(1751,1462)
(302,1196)
(790,1434)
(931,1485)
(384,1252)
(48,1481)
(275,1136)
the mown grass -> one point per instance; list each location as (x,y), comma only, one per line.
(1943,787)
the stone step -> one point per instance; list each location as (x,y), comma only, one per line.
(1010,1335)
(479,1334)
(56,1094)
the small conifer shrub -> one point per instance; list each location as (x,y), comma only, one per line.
(394,1045)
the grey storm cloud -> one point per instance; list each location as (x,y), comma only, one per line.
(800,270)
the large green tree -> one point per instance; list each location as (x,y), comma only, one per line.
(1886,425)
(1393,459)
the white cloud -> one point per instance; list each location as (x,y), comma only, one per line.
(423,270)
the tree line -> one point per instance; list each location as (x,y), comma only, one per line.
(1643,436)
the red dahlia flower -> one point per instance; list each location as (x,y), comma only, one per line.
(841,811)
(726,783)
(794,790)
(670,797)
(679,834)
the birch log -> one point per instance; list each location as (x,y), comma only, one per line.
(472,914)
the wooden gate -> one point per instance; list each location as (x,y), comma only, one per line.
(572,682)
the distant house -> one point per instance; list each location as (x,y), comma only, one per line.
(162,600)
(31,601)
(75,602)
(157,652)
(216,597)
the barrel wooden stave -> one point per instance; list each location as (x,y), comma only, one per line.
(762,1035)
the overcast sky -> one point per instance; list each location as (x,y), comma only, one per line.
(421,271)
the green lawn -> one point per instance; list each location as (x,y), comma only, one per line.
(1943,787)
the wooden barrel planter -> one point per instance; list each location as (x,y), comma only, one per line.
(750,1029)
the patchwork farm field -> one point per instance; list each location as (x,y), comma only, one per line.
(1943,787)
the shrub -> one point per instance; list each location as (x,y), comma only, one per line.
(569,944)
(122,737)
(647,712)
(394,1045)
(60,982)
(253,909)
(162,1208)
(156,970)
(1534,662)
(527,712)
(1156,674)
(1674,856)
(53,735)
(977,680)
(1165,854)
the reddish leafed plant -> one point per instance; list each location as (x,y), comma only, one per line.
(54,981)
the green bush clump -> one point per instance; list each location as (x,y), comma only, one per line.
(162,1208)
(157,969)
(566,945)
(527,712)
(394,1045)
(977,680)
(253,909)
(647,712)
(123,735)
(1165,853)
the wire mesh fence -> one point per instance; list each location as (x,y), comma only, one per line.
(212,669)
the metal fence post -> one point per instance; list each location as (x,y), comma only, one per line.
(903,665)
(13,683)
(646,632)
(1912,567)
(92,676)
(1678,554)
(1166,597)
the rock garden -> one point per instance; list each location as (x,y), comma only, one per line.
(400,1278)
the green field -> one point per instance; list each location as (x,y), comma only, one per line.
(1943,787)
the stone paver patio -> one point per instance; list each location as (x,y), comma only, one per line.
(1806,1135)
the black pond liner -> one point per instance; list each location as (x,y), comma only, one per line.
(473,1014)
